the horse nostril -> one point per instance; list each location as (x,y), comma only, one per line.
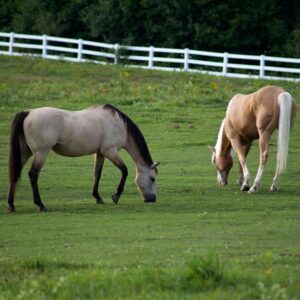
(150,198)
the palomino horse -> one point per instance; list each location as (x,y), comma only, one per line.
(99,129)
(250,117)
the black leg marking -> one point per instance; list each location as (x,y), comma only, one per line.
(34,175)
(11,196)
(120,189)
(99,161)
(114,157)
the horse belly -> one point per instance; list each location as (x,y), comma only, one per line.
(76,148)
(249,133)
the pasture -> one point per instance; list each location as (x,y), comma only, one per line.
(198,241)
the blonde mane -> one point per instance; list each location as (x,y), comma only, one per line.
(218,146)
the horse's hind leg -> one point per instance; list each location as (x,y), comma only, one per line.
(275,183)
(114,157)
(38,161)
(99,161)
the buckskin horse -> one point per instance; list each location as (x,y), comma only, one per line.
(250,117)
(99,129)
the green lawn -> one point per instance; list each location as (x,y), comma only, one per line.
(199,241)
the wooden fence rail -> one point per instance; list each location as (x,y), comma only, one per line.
(221,64)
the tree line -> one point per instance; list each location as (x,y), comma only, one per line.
(269,27)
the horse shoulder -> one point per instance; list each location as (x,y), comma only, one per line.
(113,129)
(241,119)
(230,129)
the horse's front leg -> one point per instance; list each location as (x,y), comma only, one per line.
(240,178)
(263,146)
(120,189)
(239,150)
(114,157)
(99,161)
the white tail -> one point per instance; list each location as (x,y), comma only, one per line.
(284,125)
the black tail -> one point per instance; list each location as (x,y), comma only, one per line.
(15,160)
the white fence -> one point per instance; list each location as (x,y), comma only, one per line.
(223,64)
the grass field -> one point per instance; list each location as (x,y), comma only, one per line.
(199,241)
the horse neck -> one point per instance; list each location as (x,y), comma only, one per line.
(223,145)
(226,145)
(133,150)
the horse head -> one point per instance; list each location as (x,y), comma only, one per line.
(145,180)
(223,163)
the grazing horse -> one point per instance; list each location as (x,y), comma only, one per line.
(99,129)
(250,117)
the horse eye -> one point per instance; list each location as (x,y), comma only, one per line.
(152,179)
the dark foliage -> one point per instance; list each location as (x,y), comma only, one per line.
(251,27)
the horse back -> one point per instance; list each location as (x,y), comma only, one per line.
(74,133)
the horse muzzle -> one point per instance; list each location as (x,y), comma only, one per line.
(222,182)
(150,198)
(222,179)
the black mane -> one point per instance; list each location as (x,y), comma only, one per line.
(135,133)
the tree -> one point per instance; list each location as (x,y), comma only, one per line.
(251,27)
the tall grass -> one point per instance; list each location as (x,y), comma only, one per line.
(201,276)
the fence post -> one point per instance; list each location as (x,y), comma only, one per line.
(11,43)
(262,67)
(225,63)
(44,54)
(79,56)
(186,59)
(116,58)
(151,55)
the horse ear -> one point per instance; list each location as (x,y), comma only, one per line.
(154,165)
(211,148)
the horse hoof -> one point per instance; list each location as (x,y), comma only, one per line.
(11,209)
(42,209)
(115,198)
(245,188)
(253,190)
(273,188)
(100,201)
